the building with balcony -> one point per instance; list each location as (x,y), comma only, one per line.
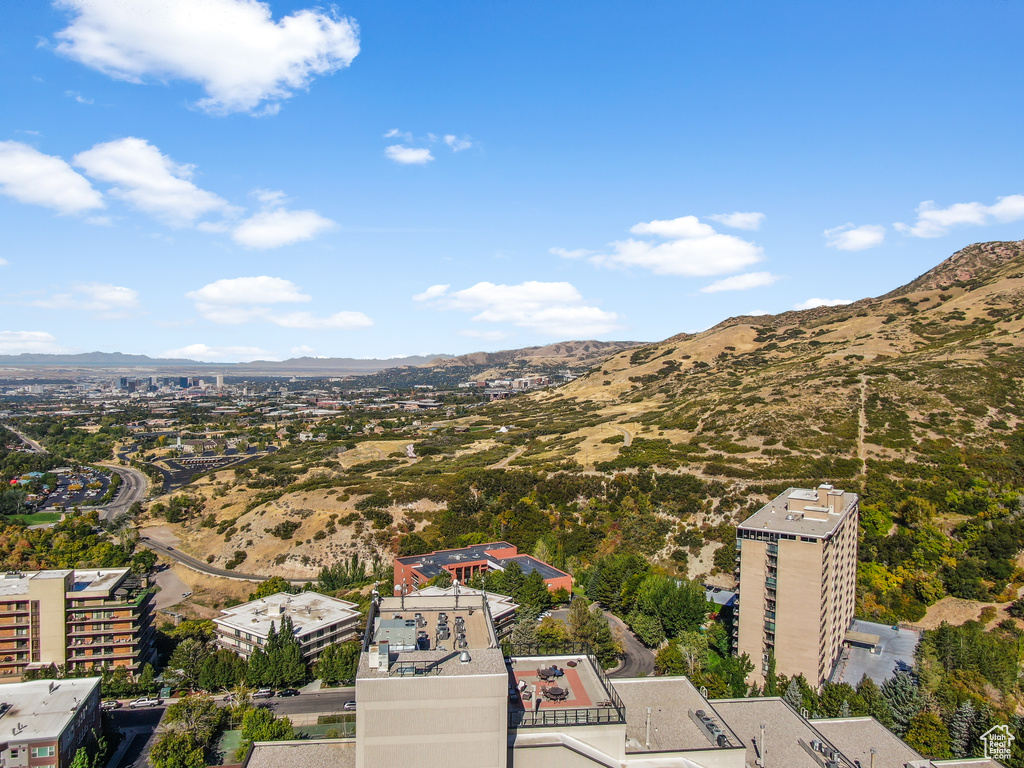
(44,722)
(797,559)
(465,563)
(437,688)
(318,621)
(81,619)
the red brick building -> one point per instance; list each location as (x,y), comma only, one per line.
(465,563)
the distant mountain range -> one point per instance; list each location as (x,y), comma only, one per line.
(570,354)
(300,365)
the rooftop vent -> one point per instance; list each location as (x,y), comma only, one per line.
(464,657)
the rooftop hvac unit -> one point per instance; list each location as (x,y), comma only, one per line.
(700,713)
(722,740)
(816,745)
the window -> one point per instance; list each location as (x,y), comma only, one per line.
(44,751)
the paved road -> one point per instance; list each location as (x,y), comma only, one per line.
(36,447)
(133,488)
(198,565)
(172,589)
(321,702)
(638,658)
(139,727)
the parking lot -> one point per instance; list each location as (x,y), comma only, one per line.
(83,489)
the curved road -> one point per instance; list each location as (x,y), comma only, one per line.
(198,565)
(32,444)
(133,488)
(637,659)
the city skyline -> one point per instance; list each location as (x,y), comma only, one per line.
(229,180)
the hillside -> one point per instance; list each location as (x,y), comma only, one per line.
(912,399)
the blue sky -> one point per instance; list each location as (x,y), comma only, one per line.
(231,180)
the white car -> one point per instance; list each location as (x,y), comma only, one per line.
(145,702)
(264,693)
(349,706)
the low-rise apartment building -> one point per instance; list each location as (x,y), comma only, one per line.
(82,619)
(318,621)
(797,560)
(465,563)
(44,722)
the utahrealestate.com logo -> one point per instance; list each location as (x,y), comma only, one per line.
(997,742)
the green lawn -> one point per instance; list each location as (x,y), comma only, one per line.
(35,519)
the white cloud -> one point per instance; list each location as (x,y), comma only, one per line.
(812,303)
(150,181)
(32,342)
(394,133)
(249,290)
(29,176)
(78,97)
(404,155)
(110,302)
(4,262)
(279,226)
(852,238)
(757,313)
(741,282)
(210,354)
(688,247)
(738,220)
(238,300)
(565,253)
(457,144)
(432,292)
(234,49)
(553,309)
(935,222)
(303,350)
(307,320)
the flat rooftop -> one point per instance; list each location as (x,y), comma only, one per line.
(309,612)
(43,712)
(482,661)
(675,725)
(579,682)
(439,629)
(856,736)
(893,649)
(461,555)
(783,514)
(315,753)
(89,582)
(499,605)
(788,737)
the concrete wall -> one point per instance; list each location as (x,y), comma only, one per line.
(457,721)
(753,562)
(48,594)
(799,609)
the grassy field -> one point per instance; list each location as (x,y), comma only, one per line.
(36,519)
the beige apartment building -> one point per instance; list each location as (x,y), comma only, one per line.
(81,619)
(797,560)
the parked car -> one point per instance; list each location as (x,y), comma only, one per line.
(146,702)
(264,693)
(349,706)
(284,694)
(109,704)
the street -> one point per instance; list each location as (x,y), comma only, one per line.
(637,659)
(133,488)
(198,565)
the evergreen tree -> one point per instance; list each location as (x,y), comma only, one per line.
(771,681)
(534,592)
(961,729)
(524,633)
(646,627)
(876,705)
(793,695)
(606,647)
(513,580)
(580,626)
(904,696)
(258,672)
(187,660)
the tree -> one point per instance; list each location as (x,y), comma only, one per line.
(669,661)
(177,749)
(793,695)
(552,633)
(580,626)
(693,647)
(534,592)
(771,680)
(188,659)
(81,759)
(272,586)
(524,633)
(646,627)
(196,715)
(260,724)
(904,696)
(929,736)
(876,704)
(961,730)
(606,647)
